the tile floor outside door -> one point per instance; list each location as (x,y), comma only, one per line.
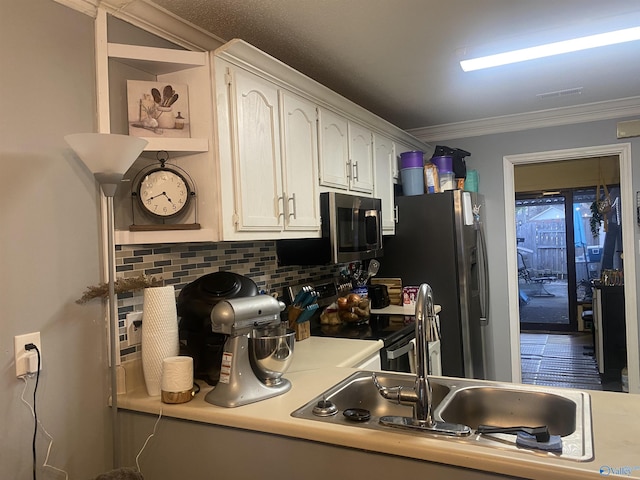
(559,360)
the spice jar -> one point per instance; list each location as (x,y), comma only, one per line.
(179,125)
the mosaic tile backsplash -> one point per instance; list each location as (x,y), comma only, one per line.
(181,264)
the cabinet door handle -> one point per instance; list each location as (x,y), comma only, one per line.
(294,210)
(355,170)
(280,213)
(349,172)
(395,213)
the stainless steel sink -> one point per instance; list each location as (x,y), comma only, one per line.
(469,402)
(473,406)
(359,392)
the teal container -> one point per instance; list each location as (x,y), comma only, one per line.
(471,182)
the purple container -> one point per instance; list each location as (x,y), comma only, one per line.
(411,159)
(444,164)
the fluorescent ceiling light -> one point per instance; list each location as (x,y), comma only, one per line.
(549,49)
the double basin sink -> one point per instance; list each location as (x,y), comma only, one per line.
(566,413)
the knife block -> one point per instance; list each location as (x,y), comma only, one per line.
(302,329)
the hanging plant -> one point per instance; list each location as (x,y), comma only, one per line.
(596,219)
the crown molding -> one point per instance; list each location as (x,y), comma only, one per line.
(153,19)
(88,7)
(590,112)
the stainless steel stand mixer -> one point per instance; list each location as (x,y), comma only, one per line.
(257,352)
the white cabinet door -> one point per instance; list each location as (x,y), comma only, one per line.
(384,158)
(334,149)
(400,148)
(256,160)
(300,163)
(361,156)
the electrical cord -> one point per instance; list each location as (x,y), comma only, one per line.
(155,426)
(34,413)
(36,420)
(28,347)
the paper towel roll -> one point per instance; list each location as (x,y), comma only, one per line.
(159,334)
(177,374)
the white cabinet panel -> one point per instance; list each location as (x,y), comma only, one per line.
(361,156)
(384,159)
(300,163)
(257,175)
(334,149)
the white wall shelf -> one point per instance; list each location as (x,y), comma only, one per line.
(156,61)
(120,62)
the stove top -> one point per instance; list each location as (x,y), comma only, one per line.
(388,328)
(385,327)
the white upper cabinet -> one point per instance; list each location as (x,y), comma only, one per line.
(346,153)
(384,160)
(268,158)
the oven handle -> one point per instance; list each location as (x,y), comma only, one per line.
(399,352)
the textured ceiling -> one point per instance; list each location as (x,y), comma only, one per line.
(399,58)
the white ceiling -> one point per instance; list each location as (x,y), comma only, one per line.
(399,58)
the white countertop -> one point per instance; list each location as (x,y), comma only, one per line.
(615,423)
(321,352)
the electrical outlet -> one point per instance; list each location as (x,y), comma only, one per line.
(27,360)
(134,328)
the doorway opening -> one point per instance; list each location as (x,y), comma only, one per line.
(622,154)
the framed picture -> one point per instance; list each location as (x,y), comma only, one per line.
(157,109)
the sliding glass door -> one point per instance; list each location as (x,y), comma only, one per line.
(546,262)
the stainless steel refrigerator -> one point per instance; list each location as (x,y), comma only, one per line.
(439,241)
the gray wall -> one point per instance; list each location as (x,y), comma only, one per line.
(487,154)
(49,244)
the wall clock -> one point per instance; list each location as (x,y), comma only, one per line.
(163,195)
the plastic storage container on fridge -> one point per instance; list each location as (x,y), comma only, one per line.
(471,182)
(411,164)
(447,181)
(444,164)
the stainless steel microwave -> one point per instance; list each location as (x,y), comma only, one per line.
(351,231)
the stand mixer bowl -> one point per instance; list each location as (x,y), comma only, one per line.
(271,353)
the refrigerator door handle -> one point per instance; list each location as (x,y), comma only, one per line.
(484,277)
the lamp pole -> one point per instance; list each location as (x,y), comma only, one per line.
(108,157)
(109,185)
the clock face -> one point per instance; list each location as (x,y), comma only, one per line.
(164,193)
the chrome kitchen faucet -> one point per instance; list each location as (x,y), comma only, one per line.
(420,396)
